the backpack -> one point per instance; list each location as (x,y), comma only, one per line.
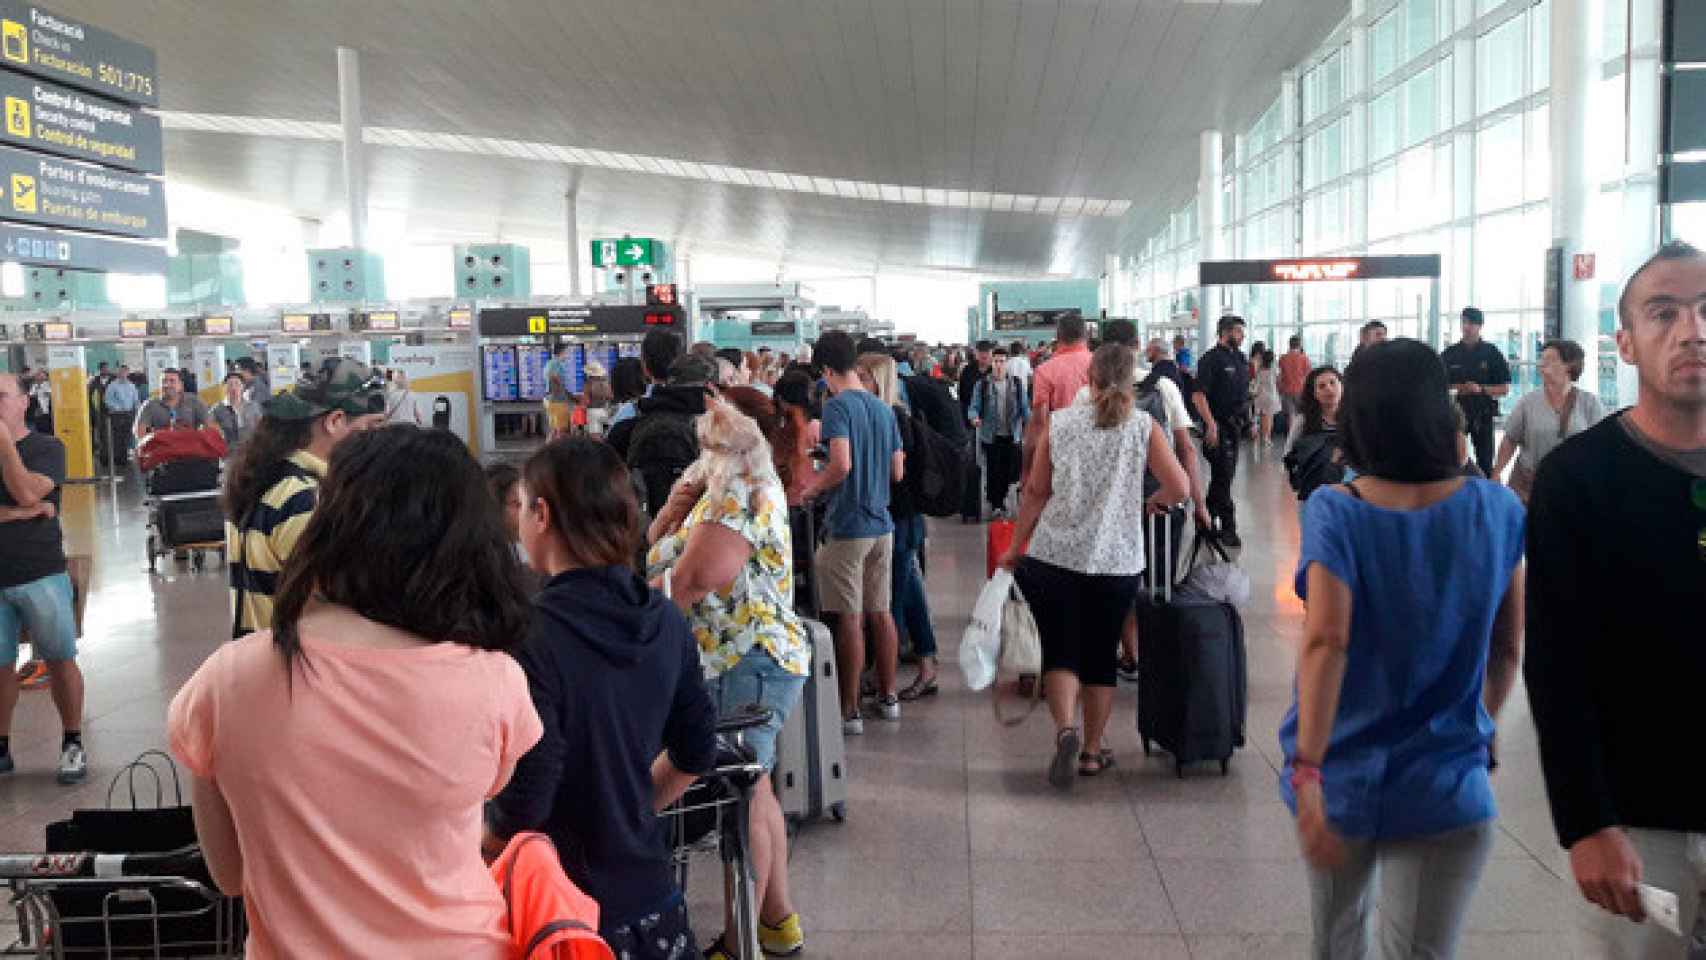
(1150,401)
(935,469)
(1310,463)
(661,448)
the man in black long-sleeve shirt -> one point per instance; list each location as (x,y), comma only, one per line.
(1616,654)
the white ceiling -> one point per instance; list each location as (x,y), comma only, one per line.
(1088,109)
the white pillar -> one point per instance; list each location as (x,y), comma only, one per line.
(1577,32)
(1208,231)
(355,168)
(572,231)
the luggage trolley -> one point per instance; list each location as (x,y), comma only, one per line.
(134,918)
(184,515)
(713,817)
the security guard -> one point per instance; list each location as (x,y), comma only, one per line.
(1479,376)
(1223,399)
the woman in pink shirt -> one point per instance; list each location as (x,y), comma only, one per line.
(341,759)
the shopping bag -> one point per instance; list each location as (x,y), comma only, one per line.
(1021,653)
(1219,580)
(980,646)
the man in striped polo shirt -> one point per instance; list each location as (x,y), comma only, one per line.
(273,485)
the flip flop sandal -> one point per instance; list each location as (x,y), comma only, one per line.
(1095,764)
(919,689)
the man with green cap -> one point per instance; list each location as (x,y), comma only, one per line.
(272,486)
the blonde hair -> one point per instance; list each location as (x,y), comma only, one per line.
(881,369)
(1111,372)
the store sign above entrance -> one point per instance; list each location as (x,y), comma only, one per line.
(1319,270)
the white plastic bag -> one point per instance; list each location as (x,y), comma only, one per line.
(1219,580)
(980,647)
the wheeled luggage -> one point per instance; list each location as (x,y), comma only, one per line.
(971,497)
(811,757)
(183,476)
(802,533)
(1192,673)
(996,542)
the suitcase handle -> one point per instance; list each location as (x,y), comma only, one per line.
(1162,559)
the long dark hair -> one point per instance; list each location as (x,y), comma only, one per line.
(260,463)
(1397,417)
(1315,418)
(594,510)
(406,534)
(627,380)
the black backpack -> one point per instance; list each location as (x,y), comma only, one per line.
(1311,463)
(935,468)
(661,448)
(1150,401)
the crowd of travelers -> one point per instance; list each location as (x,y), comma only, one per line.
(549,646)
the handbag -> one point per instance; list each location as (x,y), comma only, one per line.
(1021,652)
(1220,580)
(980,645)
(1522,478)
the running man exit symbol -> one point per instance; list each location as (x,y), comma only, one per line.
(23,193)
(16,40)
(18,118)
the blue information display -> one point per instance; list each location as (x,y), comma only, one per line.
(499,363)
(531,372)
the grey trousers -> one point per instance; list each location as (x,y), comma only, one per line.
(1670,861)
(1420,887)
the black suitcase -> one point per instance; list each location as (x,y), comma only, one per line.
(971,498)
(802,532)
(1193,682)
(183,476)
(191,518)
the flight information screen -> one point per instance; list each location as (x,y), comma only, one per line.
(531,372)
(500,370)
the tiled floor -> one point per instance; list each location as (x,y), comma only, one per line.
(954,847)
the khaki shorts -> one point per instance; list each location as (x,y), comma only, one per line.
(560,415)
(853,575)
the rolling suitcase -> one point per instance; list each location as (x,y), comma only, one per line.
(811,759)
(971,498)
(1192,673)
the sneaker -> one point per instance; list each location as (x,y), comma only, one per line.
(888,707)
(32,675)
(73,764)
(784,939)
(717,951)
(1128,669)
(853,726)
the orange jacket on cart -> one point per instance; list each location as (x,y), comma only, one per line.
(549,917)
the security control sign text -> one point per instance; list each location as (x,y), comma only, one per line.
(54,119)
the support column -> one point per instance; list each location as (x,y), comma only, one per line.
(1577,29)
(1209,165)
(572,232)
(355,159)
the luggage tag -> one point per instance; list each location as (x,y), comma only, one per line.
(1661,907)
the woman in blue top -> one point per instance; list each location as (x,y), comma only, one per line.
(1412,642)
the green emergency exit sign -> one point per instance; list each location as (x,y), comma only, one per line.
(626,252)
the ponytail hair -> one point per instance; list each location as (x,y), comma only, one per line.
(1111,372)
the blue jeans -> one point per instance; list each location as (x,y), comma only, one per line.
(758,678)
(910,606)
(44,608)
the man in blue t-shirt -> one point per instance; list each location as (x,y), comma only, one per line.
(853,567)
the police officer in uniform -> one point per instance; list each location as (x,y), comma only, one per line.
(1223,399)
(1479,376)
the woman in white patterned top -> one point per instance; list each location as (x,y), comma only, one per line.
(1082,516)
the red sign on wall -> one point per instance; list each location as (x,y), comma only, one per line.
(1584,266)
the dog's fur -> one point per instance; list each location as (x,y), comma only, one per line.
(731,446)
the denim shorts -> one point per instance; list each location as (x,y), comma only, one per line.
(758,678)
(43,607)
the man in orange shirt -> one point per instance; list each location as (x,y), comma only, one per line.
(1056,382)
(1294,369)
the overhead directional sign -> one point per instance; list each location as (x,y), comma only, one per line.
(34,246)
(61,193)
(40,42)
(538,321)
(1323,269)
(54,119)
(626,252)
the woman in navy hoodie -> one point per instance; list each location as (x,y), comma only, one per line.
(615,677)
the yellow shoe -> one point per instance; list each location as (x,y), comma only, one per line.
(783,940)
(717,951)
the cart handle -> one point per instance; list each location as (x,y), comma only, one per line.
(86,865)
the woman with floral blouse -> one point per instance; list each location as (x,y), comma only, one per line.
(722,548)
